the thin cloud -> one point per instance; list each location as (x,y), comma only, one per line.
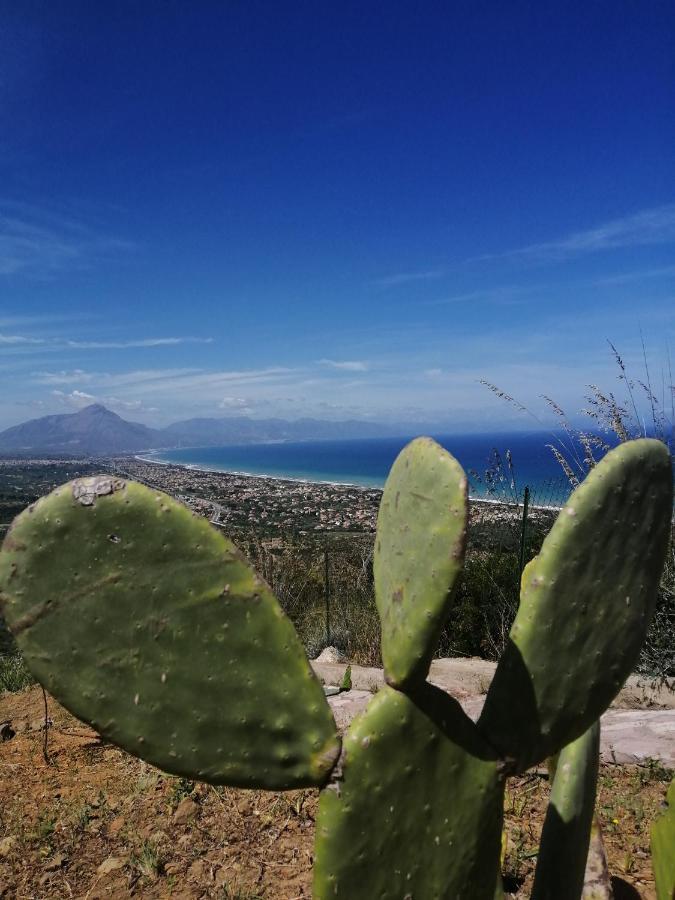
(39,242)
(648,227)
(106,379)
(147,342)
(19,339)
(506,295)
(25,343)
(221,380)
(238,404)
(76,399)
(642,275)
(407,277)
(354,365)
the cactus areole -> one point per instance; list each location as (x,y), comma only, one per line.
(146,622)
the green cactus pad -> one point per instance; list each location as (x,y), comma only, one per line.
(146,622)
(417,810)
(663,849)
(419,550)
(586,602)
(563,849)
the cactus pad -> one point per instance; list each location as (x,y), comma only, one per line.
(563,849)
(419,550)
(663,849)
(417,811)
(146,622)
(586,602)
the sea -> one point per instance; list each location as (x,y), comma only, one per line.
(499,465)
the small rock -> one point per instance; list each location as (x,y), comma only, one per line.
(116,826)
(6,731)
(111,864)
(187,809)
(56,862)
(7,845)
(330,655)
(39,724)
(244,807)
(173,868)
(200,871)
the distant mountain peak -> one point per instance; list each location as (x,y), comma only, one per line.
(92,431)
(97,408)
(96,430)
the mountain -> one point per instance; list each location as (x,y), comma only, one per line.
(93,431)
(242,430)
(96,431)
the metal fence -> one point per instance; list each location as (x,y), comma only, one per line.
(328,578)
(324,580)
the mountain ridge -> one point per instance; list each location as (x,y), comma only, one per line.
(97,431)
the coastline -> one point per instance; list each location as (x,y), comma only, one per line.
(314,482)
(214,470)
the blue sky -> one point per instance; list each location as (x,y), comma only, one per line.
(337,209)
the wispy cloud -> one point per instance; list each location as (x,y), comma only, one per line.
(79,399)
(407,277)
(500,295)
(146,342)
(349,365)
(108,380)
(27,342)
(19,339)
(650,226)
(76,399)
(40,242)
(641,275)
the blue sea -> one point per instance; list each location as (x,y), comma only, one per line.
(366,462)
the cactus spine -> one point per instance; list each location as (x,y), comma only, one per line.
(135,614)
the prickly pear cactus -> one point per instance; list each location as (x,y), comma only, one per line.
(419,551)
(566,833)
(146,622)
(663,849)
(585,605)
(417,811)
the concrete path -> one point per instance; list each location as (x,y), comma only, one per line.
(639,727)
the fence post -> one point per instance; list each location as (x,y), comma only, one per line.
(326,589)
(523,527)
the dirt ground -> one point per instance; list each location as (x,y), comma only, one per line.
(98,823)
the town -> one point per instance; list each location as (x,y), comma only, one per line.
(231,501)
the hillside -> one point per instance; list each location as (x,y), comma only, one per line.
(93,431)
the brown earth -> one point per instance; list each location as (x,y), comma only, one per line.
(98,823)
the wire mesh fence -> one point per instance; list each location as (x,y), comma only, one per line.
(324,581)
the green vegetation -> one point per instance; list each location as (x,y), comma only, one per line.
(640,413)
(133,634)
(14,673)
